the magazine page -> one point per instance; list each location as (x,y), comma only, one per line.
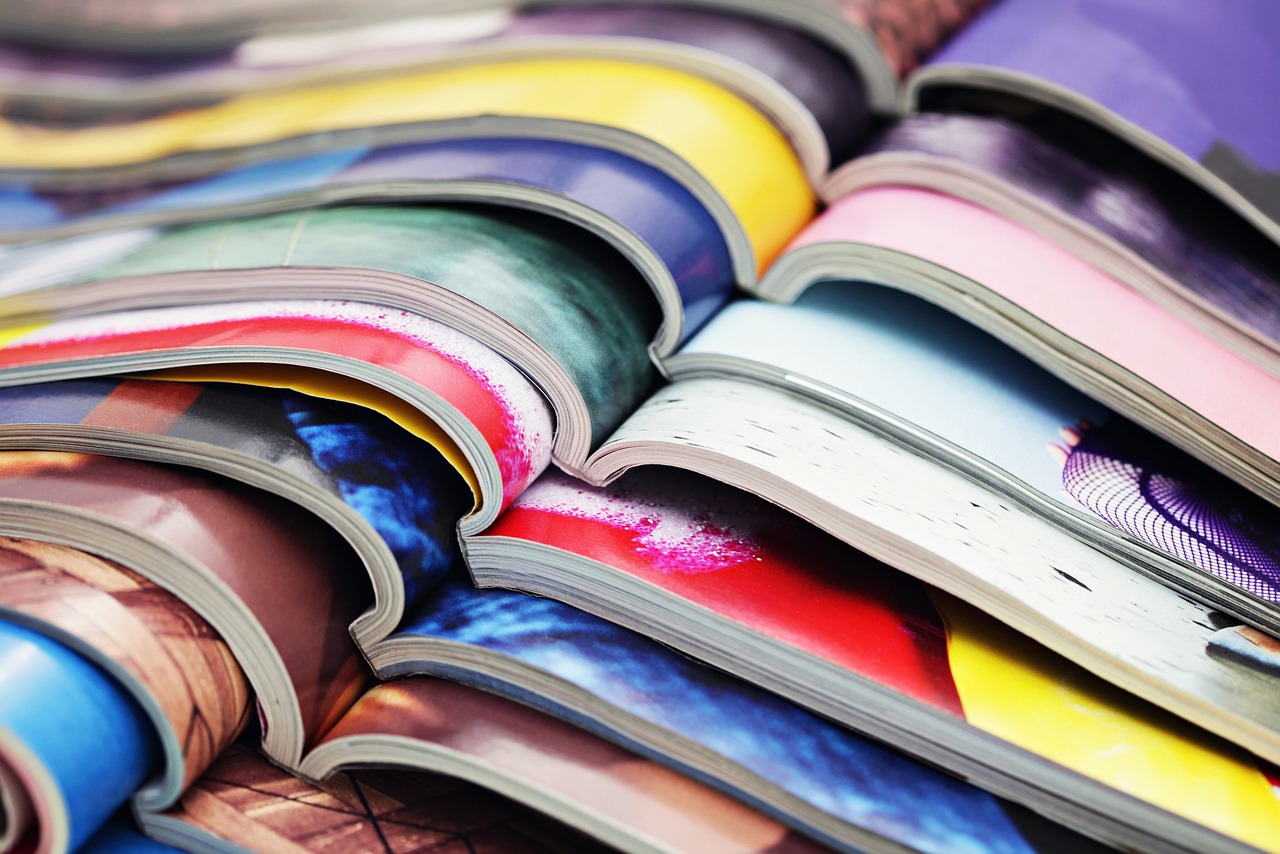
(1079,323)
(959,536)
(662,226)
(282,592)
(183,673)
(249,804)
(820,778)
(910,360)
(1121,211)
(505,277)
(757,175)
(71,735)
(374,482)
(488,407)
(903,367)
(718,574)
(742,53)
(558,768)
(1184,81)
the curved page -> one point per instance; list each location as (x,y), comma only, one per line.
(71,735)
(1120,211)
(1077,322)
(1183,80)
(394,500)
(483,403)
(961,537)
(553,766)
(173,662)
(805,86)
(558,303)
(733,580)
(282,591)
(815,776)
(903,367)
(649,216)
(745,159)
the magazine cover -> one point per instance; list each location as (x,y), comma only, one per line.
(246,801)
(905,367)
(958,535)
(814,775)
(501,276)
(1121,211)
(1077,322)
(559,768)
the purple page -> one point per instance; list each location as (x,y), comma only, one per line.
(1199,75)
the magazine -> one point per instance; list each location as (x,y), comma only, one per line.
(246,804)
(571,313)
(73,743)
(1075,321)
(815,776)
(176,667)
(804,88)
(488,413)
(281,441)
(756,176)
(689,258)
(281,572)
(748,587)
(1181,82)
(901,366)
(880,41)
(958,535)
(1122,212)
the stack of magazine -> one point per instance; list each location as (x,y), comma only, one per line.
(656,426)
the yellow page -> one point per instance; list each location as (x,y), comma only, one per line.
(740,153)
(1014,688)
(330,386)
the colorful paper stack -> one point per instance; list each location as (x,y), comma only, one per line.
(692,426)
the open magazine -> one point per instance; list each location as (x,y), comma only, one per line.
(741,583)
(1181,82)
(930,381)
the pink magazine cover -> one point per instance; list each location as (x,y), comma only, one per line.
(1029,281)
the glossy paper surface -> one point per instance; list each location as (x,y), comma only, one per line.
(741,154)
(1195,74)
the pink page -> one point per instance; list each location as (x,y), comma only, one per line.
(1067,293)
